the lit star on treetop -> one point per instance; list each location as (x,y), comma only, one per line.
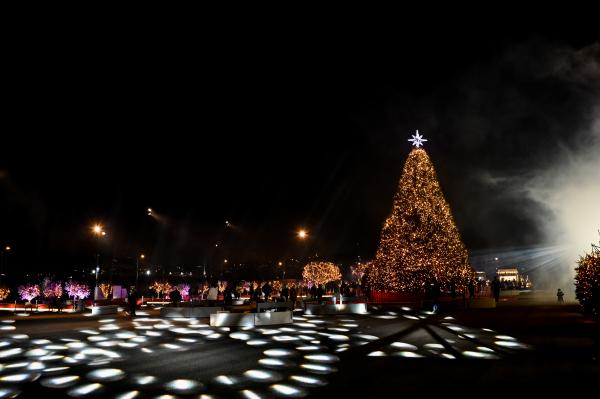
(417,140)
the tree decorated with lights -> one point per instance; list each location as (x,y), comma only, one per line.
(29,291)
(184,289)
(51,289)
(587,280)
(321,272)
(161,287)
(106,289)
(419,241)
(4,293)
(77,290)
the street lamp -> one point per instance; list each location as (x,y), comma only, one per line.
(5,249)
(302,235)
(280,264)
(98,230)
(137,268)
(149,211)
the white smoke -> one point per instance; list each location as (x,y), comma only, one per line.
(570,191)
(565,183)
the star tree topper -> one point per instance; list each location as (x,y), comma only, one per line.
(417,140)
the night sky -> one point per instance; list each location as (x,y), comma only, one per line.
(273,134)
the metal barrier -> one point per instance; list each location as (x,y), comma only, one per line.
(262,306)
(105,309)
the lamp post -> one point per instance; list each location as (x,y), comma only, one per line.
(302,236)
(280,264)
(99,232)
(97,270)
(5,249)
(137,268)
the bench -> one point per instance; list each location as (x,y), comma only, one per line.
(346,308)
(224,319)
(104,309)
(262,306)
(196,311)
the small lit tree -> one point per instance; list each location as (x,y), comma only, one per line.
(184,289)
(29,291)
(161,287)
(77,290)
(52,289)
(106,289)
(4,293)
(587,280)
(321,272)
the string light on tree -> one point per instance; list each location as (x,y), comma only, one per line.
(321,272)
(587,277)
(419,241)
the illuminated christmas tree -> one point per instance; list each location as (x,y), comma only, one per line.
(587,279)
(419,240)
(321,272)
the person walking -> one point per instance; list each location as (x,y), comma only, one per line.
(285,293)
(293,295)
(132,301)
(496,289)
(267,289)
(175,296)
(213,294)
(559,295)
(320,292)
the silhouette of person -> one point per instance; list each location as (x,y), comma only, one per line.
(559,295)
(132,301)
(267,289)
(175,296)
(496,289)
(293,295)
(320,292)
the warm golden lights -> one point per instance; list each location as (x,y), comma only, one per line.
(321,272)
(587,277)
(419,241)
(302,234)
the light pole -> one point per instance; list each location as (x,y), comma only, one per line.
(302,236)
(5,249)
(280,264)
(99,232)
(97,270)
(137,268)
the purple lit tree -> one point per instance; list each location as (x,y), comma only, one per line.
(29,291)
(52,289)
(77,290)
(184,289)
